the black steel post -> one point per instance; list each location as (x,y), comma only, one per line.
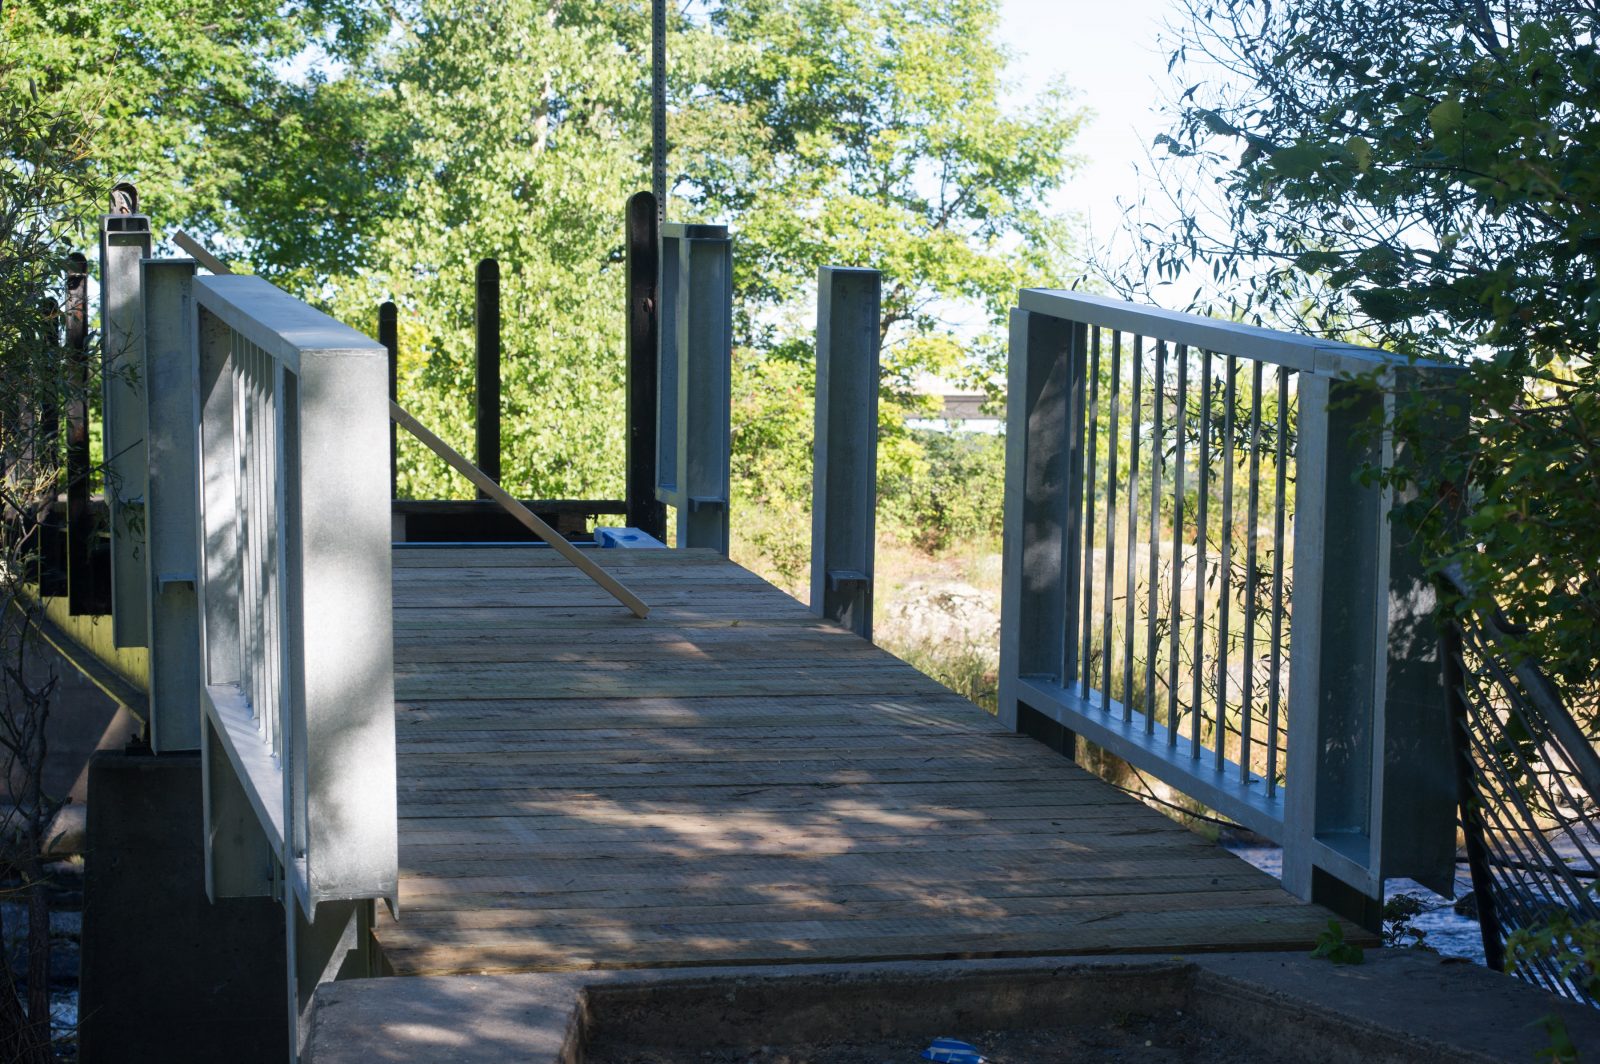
(389,337)
(83,593)
(643,249)
(486,319)
(1455,686)
(50,520)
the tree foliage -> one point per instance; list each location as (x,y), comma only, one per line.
(357,150)
(1422,175)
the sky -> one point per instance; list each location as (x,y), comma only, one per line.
(1110,54)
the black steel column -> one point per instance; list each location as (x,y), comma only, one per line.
(643,248)
(83,591)
(50,521)
(389,337)
(486,318)
(1468,805)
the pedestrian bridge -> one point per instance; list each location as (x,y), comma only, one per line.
(737,782)
(440,755)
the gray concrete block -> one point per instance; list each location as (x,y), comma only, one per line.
(1400,1007)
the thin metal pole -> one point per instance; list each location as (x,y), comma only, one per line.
(1251,521)
(1152,651)
(1201,517)
(1180,417)
(658,106)
(1280,459)
(486,316)
(1111,521)
(1225,559)
(1092,426)
(1130,555)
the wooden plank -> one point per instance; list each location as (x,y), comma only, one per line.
(1111,932)
(821,920)
(843,894)
(457,557)
(909,873)
(753,832)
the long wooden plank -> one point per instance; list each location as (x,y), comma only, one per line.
(429,556)
(911,873)
(525,516)
(842,896)
(1183,932)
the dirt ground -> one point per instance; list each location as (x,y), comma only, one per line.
(1174,1039)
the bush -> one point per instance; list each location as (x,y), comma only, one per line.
(952,490)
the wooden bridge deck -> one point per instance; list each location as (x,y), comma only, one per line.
(734,782)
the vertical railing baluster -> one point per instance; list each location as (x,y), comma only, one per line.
(1130,562)
(1253,519)
(1112,444)
(257,529)
(1092,426)
(1202,515)
(1275,665)
(1180,431)
(271,646)
(1071,565)
(1158,379)
(241,437)
(1230,391)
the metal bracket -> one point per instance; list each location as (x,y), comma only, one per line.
(847,579)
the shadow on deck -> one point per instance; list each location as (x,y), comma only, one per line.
(735,782)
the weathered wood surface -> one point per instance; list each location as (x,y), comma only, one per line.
(734,782)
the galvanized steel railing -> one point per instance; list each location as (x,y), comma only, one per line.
(294,598)
(1200,579)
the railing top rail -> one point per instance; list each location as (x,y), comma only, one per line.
(278,323)
(1306,354)
(694,231)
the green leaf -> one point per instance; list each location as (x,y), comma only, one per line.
(1445,118)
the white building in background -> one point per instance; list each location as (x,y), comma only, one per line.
(960,411)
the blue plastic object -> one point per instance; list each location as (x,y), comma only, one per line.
(626,537)
(950,1051)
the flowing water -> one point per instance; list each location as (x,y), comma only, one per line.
(1443,929)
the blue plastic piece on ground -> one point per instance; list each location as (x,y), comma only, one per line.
(950,1051)
(626,537)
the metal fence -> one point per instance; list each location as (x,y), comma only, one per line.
(1528,776)
(1201,577)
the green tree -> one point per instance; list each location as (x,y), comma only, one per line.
(1423,174)
(867,133)
(514,133)
(188,99)
(356,151)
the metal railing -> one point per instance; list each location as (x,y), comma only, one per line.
(694,299)
(293,582)
(844,492)
(1200,580)
(1528,780)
